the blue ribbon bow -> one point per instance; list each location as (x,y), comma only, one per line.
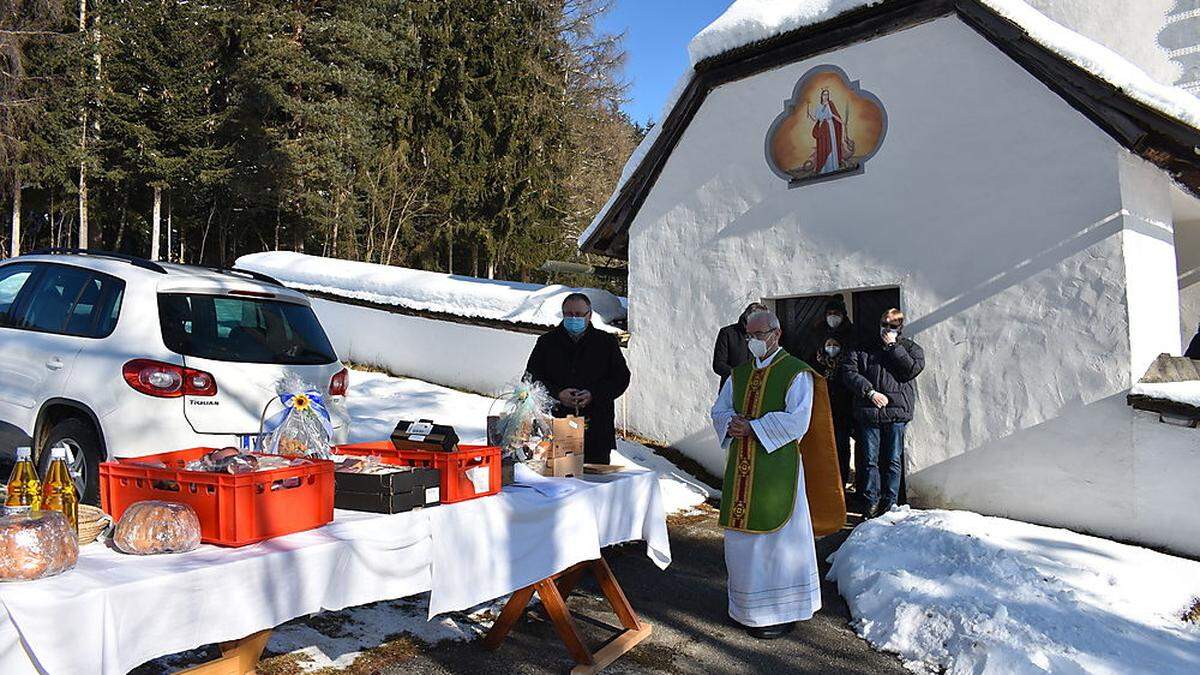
(315,402)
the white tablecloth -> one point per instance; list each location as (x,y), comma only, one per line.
(114,611)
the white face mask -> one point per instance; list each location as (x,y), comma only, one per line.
(884,331)
(757,347)
(834,320)
(832,350)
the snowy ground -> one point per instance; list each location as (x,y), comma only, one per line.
(957,592)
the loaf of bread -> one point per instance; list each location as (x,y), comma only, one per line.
(36,545)
(152,527)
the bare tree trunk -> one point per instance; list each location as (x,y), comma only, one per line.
(169,200)
(16,216)
(83,124)
(156,228)
(450,252)
(204,237)
(475,260)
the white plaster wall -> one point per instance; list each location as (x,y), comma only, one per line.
(474,358)
(1128,27)
(1151,280)
(1187,256)
(999,211)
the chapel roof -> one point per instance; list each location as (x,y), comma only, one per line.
(1158,122)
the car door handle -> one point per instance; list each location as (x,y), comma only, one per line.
(54,364)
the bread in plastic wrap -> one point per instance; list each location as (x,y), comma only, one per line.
(36,545)
(153,527)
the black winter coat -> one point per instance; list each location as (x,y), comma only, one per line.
(1193,350)
(731,350)
(594,362)
(887,370)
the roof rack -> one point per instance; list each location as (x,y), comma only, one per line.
(237,271)
(131,259)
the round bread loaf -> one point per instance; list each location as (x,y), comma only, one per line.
(153,527)
(36,545)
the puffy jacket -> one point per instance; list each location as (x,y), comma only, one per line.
(887,370)
(731,350)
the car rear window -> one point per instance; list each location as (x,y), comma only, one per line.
(244,330)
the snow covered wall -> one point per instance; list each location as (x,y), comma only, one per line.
(451,294)
(1034,256)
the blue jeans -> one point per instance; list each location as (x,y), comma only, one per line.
(884,452)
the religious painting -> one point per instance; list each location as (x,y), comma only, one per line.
(828,128)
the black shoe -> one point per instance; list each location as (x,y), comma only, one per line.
(771,632)
(869,511)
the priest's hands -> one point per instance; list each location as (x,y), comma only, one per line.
(739,427)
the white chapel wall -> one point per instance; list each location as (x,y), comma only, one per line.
(998,210)
(1129,27)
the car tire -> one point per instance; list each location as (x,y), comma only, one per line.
(79,435)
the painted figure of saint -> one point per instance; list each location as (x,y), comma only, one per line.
(829,133)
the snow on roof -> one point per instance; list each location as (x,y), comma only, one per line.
(457,295)
(749,21)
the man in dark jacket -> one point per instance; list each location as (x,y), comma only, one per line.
(584,371)
(880,376)
(731,350)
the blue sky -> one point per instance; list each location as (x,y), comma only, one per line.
(656,37)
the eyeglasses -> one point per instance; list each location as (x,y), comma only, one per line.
(762,334)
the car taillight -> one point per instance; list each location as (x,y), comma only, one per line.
(167,380)
(339,383)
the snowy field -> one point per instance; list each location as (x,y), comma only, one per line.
(957,592)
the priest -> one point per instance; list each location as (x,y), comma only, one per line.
(761,414)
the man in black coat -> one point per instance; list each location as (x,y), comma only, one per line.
(584,371)
(731,350)
(880,374)
(832,339)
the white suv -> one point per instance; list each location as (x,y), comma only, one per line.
(117,356)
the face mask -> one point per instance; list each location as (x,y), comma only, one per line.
(885,331)
(757,347)
(832,350)
(834,320)
(575,324)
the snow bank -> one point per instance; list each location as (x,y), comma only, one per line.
(957,592)
(430,291)
(375,402)
(1187,393)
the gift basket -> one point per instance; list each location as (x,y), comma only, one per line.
(302,428)
(529,433)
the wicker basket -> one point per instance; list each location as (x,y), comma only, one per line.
(92,522)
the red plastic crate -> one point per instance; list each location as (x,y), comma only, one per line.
(456,487)
(234,510)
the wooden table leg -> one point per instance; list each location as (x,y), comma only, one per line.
(553,591)
(239,657)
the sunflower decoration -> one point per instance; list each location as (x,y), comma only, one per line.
(301,403)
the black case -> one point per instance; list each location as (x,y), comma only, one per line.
(405,479)
(375,502)
(442,438)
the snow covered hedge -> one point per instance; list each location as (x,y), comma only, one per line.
(451,294)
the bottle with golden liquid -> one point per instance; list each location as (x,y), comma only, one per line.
(58,490)
(24,488)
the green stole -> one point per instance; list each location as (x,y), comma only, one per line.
(760,487)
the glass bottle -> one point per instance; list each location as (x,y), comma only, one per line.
(58,490)
(24,489)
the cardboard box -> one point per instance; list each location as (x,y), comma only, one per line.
(567,466)
(424,435)
(568,436)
